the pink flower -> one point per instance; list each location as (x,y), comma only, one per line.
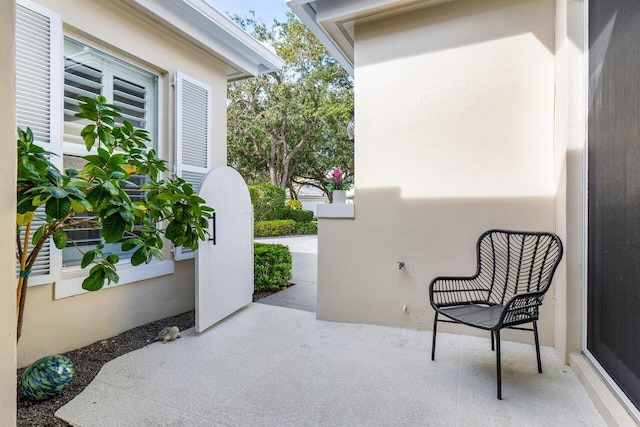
(336,174)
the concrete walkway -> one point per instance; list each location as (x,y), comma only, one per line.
(273,366)
(302,296)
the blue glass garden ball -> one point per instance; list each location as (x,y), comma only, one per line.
(47,377)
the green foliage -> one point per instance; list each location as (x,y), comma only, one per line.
(310,227)
(294,204)
(100,187)
(279,227)
(290,126)
(298,216)
(268,201)
(272,266)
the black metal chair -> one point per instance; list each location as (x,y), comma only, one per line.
(515,269)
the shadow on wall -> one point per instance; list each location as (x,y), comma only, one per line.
(457,24)
(358,275)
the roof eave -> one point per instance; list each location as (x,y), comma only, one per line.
(210,29)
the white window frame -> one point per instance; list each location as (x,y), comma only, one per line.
(72,277)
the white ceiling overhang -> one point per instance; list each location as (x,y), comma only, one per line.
(210,30)
(333,21)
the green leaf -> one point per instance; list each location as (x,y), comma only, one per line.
(60,239)
(87,259)
(58,193)
(113,258)
(129,244)
(175,230)
(111,274)
(96,279)
(139,256)
(113,227)
(38,235)
(25,218)
(58,208)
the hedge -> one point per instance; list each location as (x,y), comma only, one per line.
(310,227)
(280,227)
(294,204)
(268,201)
(298,215)
(272,266)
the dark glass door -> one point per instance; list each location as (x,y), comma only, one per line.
(613,330)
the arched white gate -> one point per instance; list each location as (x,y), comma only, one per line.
(224,263)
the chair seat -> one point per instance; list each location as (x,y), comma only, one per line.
(481,316)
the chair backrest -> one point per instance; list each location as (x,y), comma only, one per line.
(517,262)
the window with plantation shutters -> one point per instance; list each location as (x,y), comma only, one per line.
(90,72)
(39,102)
(193,135)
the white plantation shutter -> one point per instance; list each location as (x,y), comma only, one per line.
(39,103)
(193,135)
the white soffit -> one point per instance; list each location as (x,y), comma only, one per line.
(206,27)
(333,21)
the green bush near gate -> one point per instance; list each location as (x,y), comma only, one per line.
(268,201)
(274,217)
(272,266)
(310,227)
(298,215)
(280,227)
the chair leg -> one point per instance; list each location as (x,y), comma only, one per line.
(498,366)
(535,334)
(493,347)
(433,344)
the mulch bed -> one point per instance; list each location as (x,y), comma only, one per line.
(87,361)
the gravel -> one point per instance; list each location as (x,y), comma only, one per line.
(87,361)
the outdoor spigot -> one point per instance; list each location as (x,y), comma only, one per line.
(400,265)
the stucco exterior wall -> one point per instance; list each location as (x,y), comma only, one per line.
(455,135)
(53,326)
(570,173)
(7,215)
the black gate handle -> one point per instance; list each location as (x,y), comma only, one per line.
(213,222)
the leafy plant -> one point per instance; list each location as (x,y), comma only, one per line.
(278,227)
(310,227)
(97,196)
(268,201)
(337,180)
(298,215)
(272,266)
(294,204)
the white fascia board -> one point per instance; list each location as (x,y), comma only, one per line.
(214,31)
(332,21)
(305,10)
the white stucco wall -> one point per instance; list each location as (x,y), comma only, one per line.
(7,215)
(570,173)
(53,326)
(455,135)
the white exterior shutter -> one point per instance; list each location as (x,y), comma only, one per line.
(193,136)
(39,103)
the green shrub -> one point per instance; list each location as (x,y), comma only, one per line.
(310,227)
(280,227)
(272,266)
(298,215)
(294,204)
(268,201)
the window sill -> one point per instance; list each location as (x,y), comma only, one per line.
(72,277)
(336,210)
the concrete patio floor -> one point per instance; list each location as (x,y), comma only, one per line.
(274,366)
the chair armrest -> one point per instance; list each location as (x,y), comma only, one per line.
(451,291)
(522,308)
